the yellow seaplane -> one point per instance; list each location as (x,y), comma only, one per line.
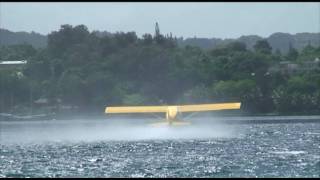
(173,111)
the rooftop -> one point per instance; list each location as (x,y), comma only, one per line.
(13,62)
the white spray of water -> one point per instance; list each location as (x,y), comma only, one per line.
(106,130)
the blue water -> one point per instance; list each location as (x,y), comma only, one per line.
(82,148)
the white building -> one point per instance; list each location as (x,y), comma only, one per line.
(12,64)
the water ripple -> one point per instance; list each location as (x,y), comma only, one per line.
(264,150)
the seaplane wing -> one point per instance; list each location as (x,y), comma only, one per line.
(182,108)
(208,107)
(136,109)
(172,111)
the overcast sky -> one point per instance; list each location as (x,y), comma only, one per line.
(221,20)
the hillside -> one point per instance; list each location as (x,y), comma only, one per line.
(83,72)
(10,38)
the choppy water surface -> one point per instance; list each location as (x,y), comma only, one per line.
(95,149)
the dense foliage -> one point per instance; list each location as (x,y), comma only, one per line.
(82,69)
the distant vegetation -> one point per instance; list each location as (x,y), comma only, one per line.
(278,41)
(12,38)
(91,70)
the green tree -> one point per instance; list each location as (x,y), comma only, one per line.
(262,46)
(237,46)
(147,39)
(17,52)
(292,53)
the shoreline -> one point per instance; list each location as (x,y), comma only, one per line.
(219,117)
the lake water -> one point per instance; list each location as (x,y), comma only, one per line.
(131,148)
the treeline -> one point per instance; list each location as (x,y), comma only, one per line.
(80,68)
(278,41)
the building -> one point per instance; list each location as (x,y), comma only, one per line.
(289,67)
(12,64)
